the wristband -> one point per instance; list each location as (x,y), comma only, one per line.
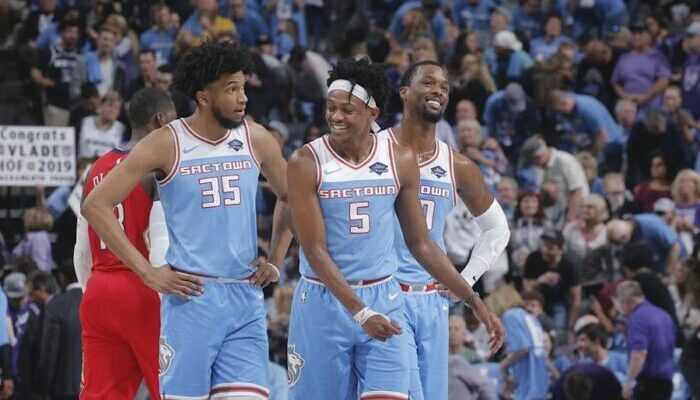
(469,301)
(363,315)
(276,270)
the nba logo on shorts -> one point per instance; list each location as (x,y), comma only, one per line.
(165,357)
(294,365)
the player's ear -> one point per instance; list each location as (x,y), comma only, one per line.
(373,112)
(403,93)
(202,98)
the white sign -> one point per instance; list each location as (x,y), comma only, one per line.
(31,155)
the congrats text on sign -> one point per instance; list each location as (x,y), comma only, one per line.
(31,155)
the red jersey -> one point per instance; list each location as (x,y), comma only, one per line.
(133,214)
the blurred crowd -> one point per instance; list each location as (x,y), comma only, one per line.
(583,116)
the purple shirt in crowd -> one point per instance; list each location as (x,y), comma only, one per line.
(691,84)
(636,73)
(650,328)
(37,246)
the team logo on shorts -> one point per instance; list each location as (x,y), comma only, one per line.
(294,365)
(165,358)
(379,168)
(438,171)
(235,144)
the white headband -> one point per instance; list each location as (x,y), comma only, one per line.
(357,91)
(354,89)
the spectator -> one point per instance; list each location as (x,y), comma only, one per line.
(458,335)
(510,117)
(60,71)
(649,230)
(592,345)
(685,191)
(102,132)
(89,102)
(590,168)
(499,20)
(36,243)
(534,303)
(423,49)
(683,287)
(601,15)
(525,355)
(202,24)
(148,67)
(42,289)
(529,223)
(650,339)
(586,244)
(625,116)
(161,36)
(642,74)
(474,84)
(666,209)
(477,338)
(508,62)
(594,72)
(619,199)
(544,47)
(587,381)
(486,153)
(589,124)
(464,381)
(551,272)
(429,10)
(636,264)
(529,19)
(674,111)
(250,25)
(126,47)
(38,21)
(103,68)
(562,169)
(507,195)
(690,81)
(473,15)
(61,350)
(657,187)
(164,78)
(650,136)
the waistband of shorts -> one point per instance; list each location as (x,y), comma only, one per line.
(355,284)
(419,287)
(214,278)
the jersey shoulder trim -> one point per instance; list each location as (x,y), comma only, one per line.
(176,164)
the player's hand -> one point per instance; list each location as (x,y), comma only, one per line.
(165,280)
(493,324)
(380,327)
(265,273)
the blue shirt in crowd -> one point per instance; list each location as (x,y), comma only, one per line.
(652,231)
(251,28)
(616,363)
(590,116)
(438,24)
(529,25)
(162,42)
(523,331)
(473,17)
(542,49)
(651,329)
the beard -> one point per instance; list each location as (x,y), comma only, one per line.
(432,117)
(227,123)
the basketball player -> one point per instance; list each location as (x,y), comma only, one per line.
(119,314)
(444,175)
(213,339)
(346,190)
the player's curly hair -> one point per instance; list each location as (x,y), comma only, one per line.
(206,63)
(363,72)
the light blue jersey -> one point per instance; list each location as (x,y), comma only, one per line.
(523,331)
(437,196)
(209,203)
(357,202)
(213,345)
(330,356)
(427,311)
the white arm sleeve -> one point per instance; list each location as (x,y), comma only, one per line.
(493,240)
(82,259)
(157,235)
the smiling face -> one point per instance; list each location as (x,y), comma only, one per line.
(226,98)
(428,93)
(347,115)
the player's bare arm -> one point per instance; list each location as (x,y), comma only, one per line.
(311,234)
(425,251)
(274,168)
(147,156)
